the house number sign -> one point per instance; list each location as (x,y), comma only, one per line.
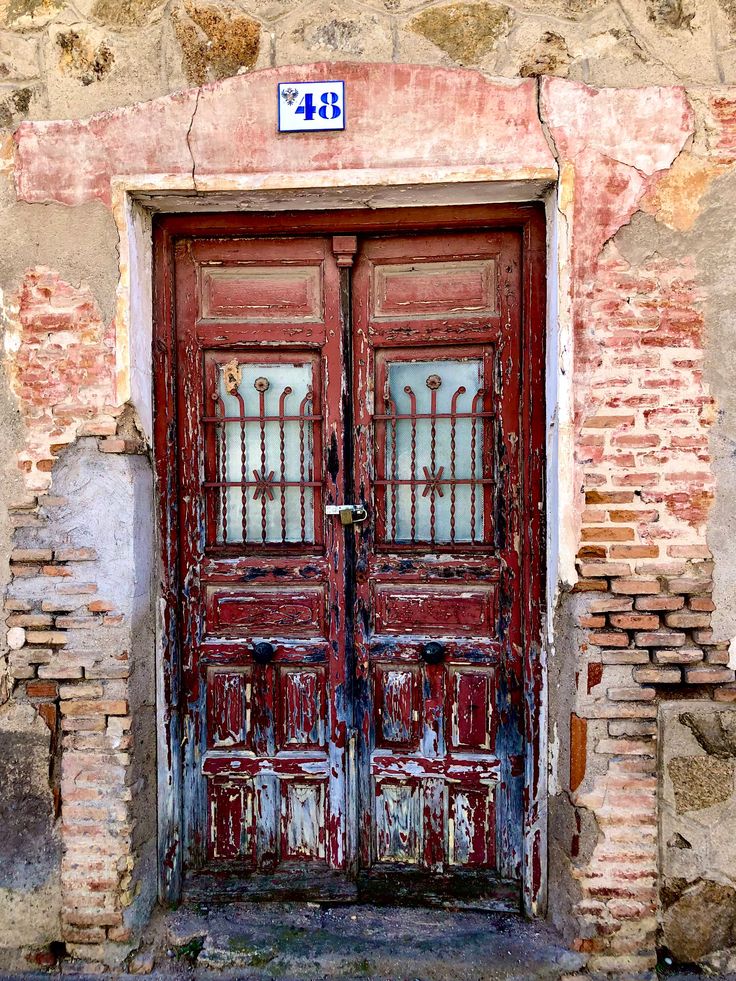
(311,106)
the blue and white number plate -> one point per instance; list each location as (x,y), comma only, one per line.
(311,106)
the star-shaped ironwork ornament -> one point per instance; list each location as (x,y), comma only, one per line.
(433,482)
(264,485)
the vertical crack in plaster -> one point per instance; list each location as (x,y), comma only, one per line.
(189,145)
(545,128)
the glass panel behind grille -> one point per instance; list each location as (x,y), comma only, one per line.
(432,453)
(264,444)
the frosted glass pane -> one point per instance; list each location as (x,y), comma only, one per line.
(434,465)
(268,460)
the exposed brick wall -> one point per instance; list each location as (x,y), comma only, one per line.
(70,657)
(62,370)
(643,415)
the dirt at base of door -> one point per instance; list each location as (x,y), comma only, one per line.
(312,941)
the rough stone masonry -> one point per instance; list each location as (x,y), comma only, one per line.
(628,110)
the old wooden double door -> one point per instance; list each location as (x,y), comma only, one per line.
(349,428)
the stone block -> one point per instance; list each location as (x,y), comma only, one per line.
(19,61)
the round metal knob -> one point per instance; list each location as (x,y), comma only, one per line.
(433,652)
(263,652)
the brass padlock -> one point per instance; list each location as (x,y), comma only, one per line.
(349,514)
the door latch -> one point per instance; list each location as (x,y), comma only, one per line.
(349,514)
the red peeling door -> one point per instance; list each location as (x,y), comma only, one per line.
(260,435)
(438,643)
(352,676)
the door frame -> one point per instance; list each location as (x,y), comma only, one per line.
(528,220)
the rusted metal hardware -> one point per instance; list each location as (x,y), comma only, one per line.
(257,430)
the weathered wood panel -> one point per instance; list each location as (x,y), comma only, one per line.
(419,290)
(445,611)
(262,612)
(261,293)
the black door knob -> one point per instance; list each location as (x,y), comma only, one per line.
(433,652)
(263,652)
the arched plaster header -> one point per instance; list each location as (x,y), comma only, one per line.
(399,116)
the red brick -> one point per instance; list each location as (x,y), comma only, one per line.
(49,713)
(715,655)
(609,639)
(100,606)
(18,605)
(634,551)
(632,727)
(704,675)
(75,623)
(626,747)
(703,603)
(39,620)
(607,533)
(614,604)
(609,497)
(637,587)
(623,710)
(687,621)
(592,552)
(87,918)
(657,569)
(629,655)
(689,551)
(590,586)
(95,707)
(31,555)
(685,655)
(578,750)
(591,623)
(633,517)
(656,603)
(113,445)
(640,479)
(657,676)
(689,585)
(632,694)
(75,554)
(634,621)
(84,935)
(608,422)
(591,570)
(42,689)
(46,637)
(660,638)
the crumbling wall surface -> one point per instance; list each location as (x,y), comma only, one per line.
(81,639)
(653,322)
